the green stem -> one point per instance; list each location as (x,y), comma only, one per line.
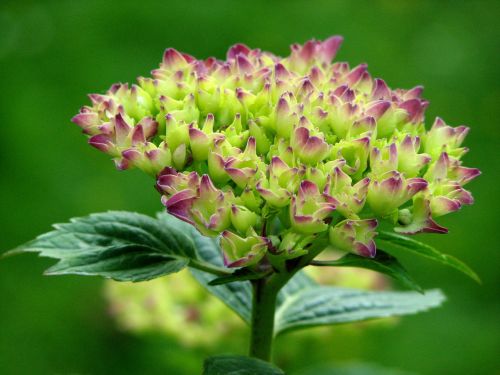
(265,293)
(262,323)
(208,268)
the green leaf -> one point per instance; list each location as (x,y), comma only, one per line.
(393,242)
(124,246)
(121,263)
(383,263)
(238,365)
(298,282)
(323,305)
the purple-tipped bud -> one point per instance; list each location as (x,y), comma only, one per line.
(237,49)
(392,190)
(415,109)
(380,90)
(418,219)
(88,121)
(355,236)
(378,108)
(444,138)
(171,182)
(280,184)
(355,75)
(101,142)
(351,198)
(309,149)
(172,59)
(309,209)
(242,251)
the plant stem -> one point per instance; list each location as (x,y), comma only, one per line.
(265,293)
(207,267)
(262,323)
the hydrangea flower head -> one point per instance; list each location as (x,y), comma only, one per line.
(272,153)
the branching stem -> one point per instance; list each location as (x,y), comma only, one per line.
(214,270)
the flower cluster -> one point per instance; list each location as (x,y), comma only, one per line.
(272,153)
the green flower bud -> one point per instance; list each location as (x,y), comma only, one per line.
(355,236)
(243,251)
(242,218)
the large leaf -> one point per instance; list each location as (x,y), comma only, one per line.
(393,242)
(323,305)
(383,263)
(121,263)
(123,246)
(298,282)
(238,365)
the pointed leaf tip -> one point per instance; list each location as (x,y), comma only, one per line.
(390,242)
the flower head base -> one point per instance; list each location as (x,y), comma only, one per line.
(274,153)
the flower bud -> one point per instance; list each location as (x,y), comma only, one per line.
(308,148)
(410,162)
(282,182)
(242,218)
(391,190)
(170,181)
(234,133)
(243,168)
(309,209)
(418,219)
(446,178)
(444,138)
(384,160)
(207,208)
(284,117)
(355,153)
(201,140)
(355,236)
(221,151)
(293,244)
(350,198)
(177,132)
(243,251)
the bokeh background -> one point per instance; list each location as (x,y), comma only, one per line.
(52,53)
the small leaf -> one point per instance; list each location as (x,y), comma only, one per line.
(238,365)
(241,274)
(393,242)
(383,263)
(323,305)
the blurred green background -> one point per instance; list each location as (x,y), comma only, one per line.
(52,53)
